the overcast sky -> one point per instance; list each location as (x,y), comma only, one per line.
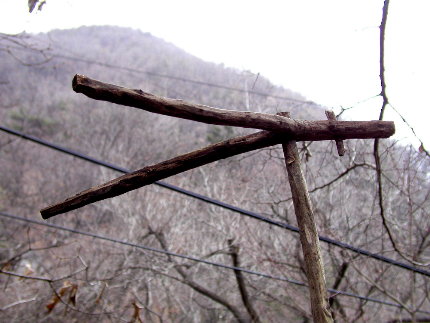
(326,50)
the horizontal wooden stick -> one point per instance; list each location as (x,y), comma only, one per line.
(296,129)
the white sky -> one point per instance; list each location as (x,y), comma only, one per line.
(326,50)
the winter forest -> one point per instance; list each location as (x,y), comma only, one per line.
(218,243)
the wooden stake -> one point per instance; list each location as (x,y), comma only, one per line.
(308,234)
(224,149)
(339,143)
(153,173)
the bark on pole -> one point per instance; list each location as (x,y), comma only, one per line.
(308,234)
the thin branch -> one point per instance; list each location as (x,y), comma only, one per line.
(45,279)
(148,309)
(422,149)
(381,116)
(345,172)
(376,143)
(46,60)
(197,287)
(382,28)
(48,280)
(23,301)
(381,289)
(234,253)
(75,309)
(333,300)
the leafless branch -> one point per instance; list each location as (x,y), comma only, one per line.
(23,301)
(381,289)
(198,288)
(234,253)
(376,153)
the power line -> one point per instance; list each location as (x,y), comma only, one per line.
(178,78)
(216,202)
(168,76)
(173,254)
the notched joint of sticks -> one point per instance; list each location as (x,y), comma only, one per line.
(339,143)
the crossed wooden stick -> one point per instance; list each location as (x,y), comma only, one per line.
(276,129)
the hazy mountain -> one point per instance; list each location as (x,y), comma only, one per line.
(115,282)
(37,79)
(142,57)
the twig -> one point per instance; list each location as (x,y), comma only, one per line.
(23,301)
(45,279)
(48,280)
(234,253)
(421,148)
(345,172)
(197,287)
(376,143)
(382,290)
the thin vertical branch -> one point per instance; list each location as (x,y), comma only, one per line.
(382,58)
(237,313)
(234,253)
(333,301)
(381,116)
(383,93)
(376,154)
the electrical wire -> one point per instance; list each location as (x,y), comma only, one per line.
(183,79)
(216,202)
(207,262)
(165,76)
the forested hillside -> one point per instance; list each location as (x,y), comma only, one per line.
(67,276)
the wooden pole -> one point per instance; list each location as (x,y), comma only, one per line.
(153,173)
(281,129)
(339,143)
(150,174)
(303,129)
(308,234)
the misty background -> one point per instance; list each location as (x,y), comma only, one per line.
(50,274)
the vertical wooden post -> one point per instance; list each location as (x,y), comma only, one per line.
(308,233)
